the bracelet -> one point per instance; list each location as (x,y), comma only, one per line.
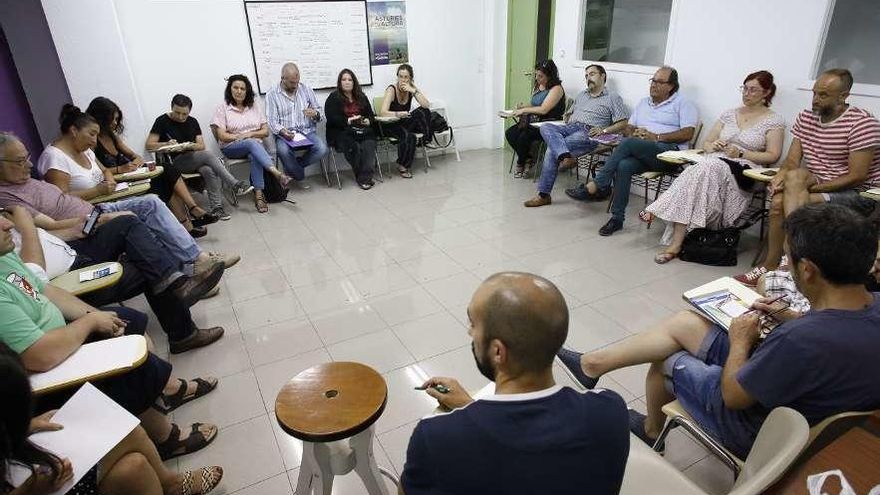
(742,153)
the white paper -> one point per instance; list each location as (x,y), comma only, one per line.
(733,309)
(104,271)
(138,171)
(93,425)
(93,359)
(121,186)
(815,483)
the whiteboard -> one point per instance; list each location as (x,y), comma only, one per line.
(321,37)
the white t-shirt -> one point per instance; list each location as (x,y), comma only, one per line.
(58,255)
(80,178)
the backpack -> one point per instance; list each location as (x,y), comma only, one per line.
(273,192)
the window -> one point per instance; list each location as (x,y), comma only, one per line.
(626,31)
(852,40)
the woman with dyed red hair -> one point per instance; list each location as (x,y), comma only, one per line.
(713,193)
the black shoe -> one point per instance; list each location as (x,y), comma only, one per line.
(611,227)
(191,289)
(578,192)
(572,362)
(637,428)
(599,195)
(197,232)
(206,219)
(220,213)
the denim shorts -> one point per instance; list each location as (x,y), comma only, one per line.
(696,383)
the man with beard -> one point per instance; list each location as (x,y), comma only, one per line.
(596,111)
(838,143)
(532,436)
(820,363)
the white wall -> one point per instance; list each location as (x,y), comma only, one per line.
(141,52)
(714,44)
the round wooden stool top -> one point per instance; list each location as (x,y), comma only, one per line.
(331,401)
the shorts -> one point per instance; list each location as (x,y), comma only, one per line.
(696,383)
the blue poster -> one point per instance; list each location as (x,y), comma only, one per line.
(387,21)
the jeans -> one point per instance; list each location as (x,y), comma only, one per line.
(570,138)
(361,155)
(173,315)
(521,139)
(632,156)
(256,152)
(696,383)
(210,168)
(295,167)
(128,235)
(165,226)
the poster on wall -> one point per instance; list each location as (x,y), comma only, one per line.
(387,21)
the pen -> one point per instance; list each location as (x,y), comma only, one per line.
(440,388)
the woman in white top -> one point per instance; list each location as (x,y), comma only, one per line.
(713,193)
(70,163)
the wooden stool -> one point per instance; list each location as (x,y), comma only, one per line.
(324,405)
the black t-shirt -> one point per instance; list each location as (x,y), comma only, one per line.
(182,132)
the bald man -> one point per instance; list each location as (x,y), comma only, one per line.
(291,107)
(532,436)
(832,158)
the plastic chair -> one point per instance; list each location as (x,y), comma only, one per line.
(646,468)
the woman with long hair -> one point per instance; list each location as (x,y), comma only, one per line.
(547,103)
(350,127)
(132,467)
(240,126)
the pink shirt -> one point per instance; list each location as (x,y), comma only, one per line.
(235,121)
(41,197)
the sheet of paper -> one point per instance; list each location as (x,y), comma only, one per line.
(99,272)
(733,308)
(93,359)
(137,171)
(93,425)
(121,186)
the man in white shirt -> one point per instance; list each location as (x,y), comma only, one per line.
(292,107)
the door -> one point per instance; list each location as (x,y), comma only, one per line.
(529,41)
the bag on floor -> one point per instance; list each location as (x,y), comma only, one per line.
(273,192)
(710,247)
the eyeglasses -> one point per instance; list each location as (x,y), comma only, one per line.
(753,90)
(657,81)
(19,161)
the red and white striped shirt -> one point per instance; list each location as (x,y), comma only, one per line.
(826,146)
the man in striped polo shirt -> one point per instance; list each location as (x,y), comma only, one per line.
(838,144)
(291,107)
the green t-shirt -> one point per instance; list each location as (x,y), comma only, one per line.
(26,314)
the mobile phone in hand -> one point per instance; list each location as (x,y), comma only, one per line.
(91,222)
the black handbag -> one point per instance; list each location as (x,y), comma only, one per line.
(710,247)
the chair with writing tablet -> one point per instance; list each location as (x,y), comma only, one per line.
(131,189)
(93,361)
(658,181)
(83,280)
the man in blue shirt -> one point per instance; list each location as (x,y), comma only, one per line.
(821,363)
(532,436)
(664,121)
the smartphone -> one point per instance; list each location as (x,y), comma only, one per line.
(91,221)
(769,173)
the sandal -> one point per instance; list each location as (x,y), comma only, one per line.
(211,477)
(179,398)
(518,173)
(404,172)
(260,202)
(284,180)
(646,217)
(665,257)
(170,448)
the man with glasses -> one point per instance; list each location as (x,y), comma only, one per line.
(292,107)
(663,121)
(595,111)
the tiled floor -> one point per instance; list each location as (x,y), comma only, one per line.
(383,277)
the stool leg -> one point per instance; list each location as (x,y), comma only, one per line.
(365,463)
(315,473)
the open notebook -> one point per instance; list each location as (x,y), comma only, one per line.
(682,155)
(722,300)
(93,361)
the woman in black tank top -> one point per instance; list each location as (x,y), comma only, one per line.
(398,103)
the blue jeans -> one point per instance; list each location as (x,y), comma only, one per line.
(696,383)
(167,228)
(632,156)
(570,138)
(295,167)
(260,159)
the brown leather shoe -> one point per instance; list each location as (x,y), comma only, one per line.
(200,338)
(537,201)
(567,163)
(193,288)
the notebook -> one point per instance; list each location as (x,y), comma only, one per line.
(682,155)
(299,140)
(722,300)
(607,138)
(506,114)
